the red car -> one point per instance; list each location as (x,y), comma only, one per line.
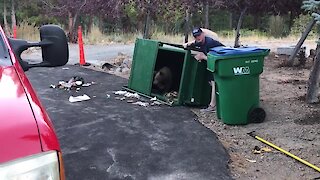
(29,146)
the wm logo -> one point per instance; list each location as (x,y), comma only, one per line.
(241,70)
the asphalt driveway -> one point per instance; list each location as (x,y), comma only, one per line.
(105,138)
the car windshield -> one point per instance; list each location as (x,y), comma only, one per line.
(4,53)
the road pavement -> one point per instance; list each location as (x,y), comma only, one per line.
(94,54)
(105,138)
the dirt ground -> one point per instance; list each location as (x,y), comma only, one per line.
(291,124)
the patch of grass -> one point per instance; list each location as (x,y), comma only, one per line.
(97,37)
(28,31)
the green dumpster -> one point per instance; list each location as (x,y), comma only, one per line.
(236,72)
(189,75)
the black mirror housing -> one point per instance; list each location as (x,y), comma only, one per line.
(54,46)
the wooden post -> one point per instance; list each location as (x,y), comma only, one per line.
(302,39)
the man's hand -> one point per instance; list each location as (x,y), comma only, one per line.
(200,56)
(185,45)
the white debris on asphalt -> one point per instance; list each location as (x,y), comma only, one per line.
(121,93)
(65,68)
(127,94)
(79,98)
(86,84)
(120,98)
(144,104)
(53,86)
(108,96)
(78,83)
(153,99)
(156,103)
(132,95)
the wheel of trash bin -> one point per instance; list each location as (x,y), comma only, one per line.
(256,115)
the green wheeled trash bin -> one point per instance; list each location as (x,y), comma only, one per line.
(236,72)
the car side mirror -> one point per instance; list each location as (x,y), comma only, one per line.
(53,44)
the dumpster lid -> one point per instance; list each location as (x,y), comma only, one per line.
(229,51)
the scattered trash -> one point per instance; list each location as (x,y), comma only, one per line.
(86,84)
(132,95)
(79,98)
(144,104)
(156,103)
(266,149)
(73,84)
(65,68)
(252,161)
(121,93)
(127,94)
(108,96)
(171,96)
(258,150)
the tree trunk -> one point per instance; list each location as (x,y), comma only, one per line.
(73,18)
(187,25)
(231,20)
(236,42)
(90,24)
(313,83)
(13,14)
(256,21)
(146,34)
(206,25)
(72,35)
(302,39)
(5,21)
(292,16)
(70,18)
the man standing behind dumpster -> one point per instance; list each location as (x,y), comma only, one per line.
(204,43)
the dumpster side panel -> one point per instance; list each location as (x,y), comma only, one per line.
(143,62)
(195,89)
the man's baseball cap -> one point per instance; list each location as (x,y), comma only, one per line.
(196,32)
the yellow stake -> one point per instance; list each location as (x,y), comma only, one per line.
(285,152)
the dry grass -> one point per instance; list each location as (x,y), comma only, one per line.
(31,32)
(28,31)
(97,37)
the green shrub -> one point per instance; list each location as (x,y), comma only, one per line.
(278,27)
